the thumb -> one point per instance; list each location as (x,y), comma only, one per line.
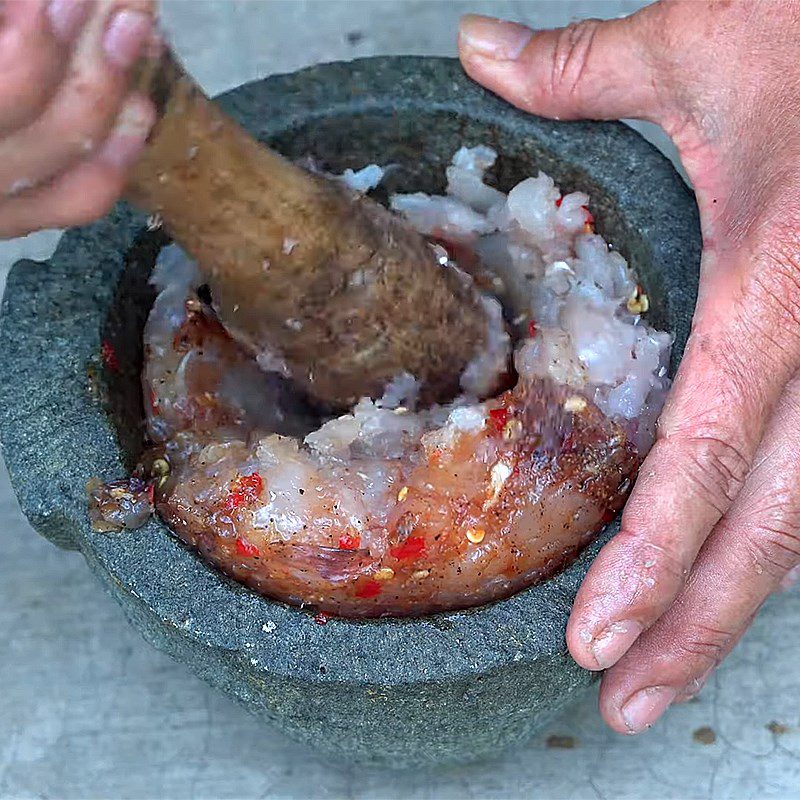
(589,70)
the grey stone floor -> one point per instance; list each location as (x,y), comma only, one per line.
(87,709)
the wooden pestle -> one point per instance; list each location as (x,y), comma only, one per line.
(302,271)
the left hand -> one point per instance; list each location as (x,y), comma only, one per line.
(71,126)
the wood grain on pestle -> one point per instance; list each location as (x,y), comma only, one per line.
(302,270)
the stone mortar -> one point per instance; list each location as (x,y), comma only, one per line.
(453,687)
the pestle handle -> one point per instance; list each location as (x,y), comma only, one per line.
(161,77)
(324,285)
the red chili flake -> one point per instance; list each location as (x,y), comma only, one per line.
(533,329)
(321,618)
(235,500)
(369,589)
(412,547)
(559,202)
(247,549)
(348,542)
(109,355)
(244,490)
(499,417)
(154,401)
(589,215)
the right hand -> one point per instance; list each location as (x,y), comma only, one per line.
(69,125)
(712,526)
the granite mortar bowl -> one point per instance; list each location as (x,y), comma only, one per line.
(451,687)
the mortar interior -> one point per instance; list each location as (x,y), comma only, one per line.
(401,139)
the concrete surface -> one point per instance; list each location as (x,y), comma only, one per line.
(87,709)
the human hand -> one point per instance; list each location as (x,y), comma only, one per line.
(712,526)
(69,126)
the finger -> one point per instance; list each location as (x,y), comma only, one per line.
(588,70)
(87,191)
(629,707)
(34,44)
(751,552)
(734,369)
(84,108)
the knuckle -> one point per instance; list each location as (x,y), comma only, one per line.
(655,563)
(715,466)
(571,56)
(87,113)
(772,544)
(724,387)
(27,89)
(702,647)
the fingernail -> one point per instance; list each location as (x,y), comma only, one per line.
(67,17)
(614,642)
(493,38)
(129,136)
(125,37)
(645,707)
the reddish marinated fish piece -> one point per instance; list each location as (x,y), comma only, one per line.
(118,505)
(469,518)
(382,512)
